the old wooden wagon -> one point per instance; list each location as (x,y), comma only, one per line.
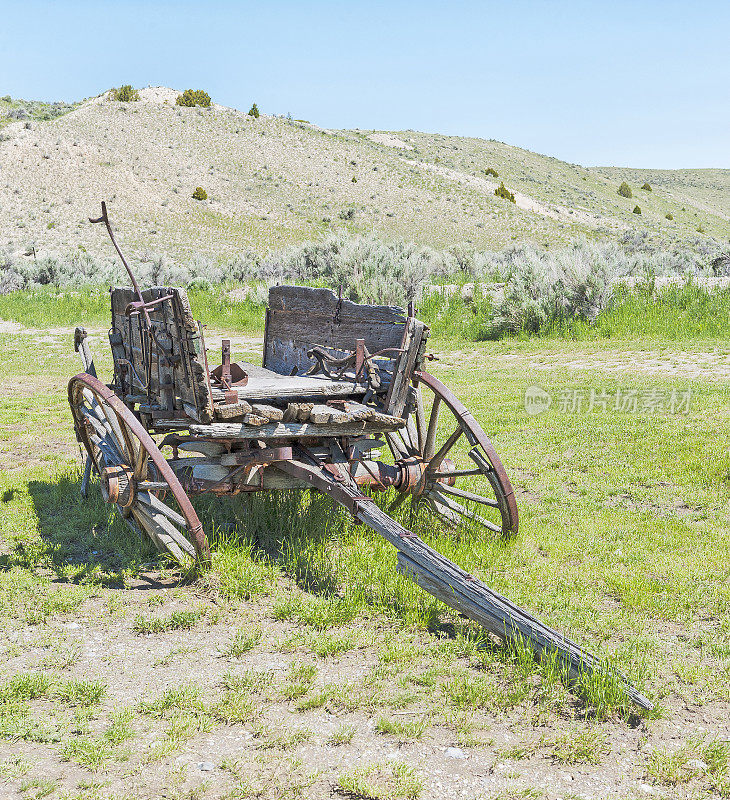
(342,404)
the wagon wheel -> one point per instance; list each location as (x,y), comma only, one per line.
(452,466)
(134,475)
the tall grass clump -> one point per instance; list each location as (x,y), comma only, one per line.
(684,311)
(568,290)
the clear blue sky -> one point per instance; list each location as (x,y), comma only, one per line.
(639,83)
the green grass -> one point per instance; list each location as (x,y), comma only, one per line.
(81,693)
(674,313)
(176,621)
(382,782)
(403,730)
(622,545)
(94,752)
(344,734)
(700,758)
(243,641)
(48,306)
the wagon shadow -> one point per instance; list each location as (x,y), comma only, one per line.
(82,540)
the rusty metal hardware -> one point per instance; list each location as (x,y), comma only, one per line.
(229,375)
(138,306)
(105,219)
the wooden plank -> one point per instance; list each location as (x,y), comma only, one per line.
(176,329)
(473,598)
(299,318)
(307,300)
(278,430)
(265,384)
(397,397)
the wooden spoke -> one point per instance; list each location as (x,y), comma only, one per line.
(435,462)
(140,463)
(158,505)
(152,486)
(107,449)
(457,473)
(398,502)
(420,420)
(163,534)
(125,443)
(101,429)
(396,444)
(429,444)
(476,498)
(465,512)
(443,511)
(106,416)
(164,527)
(411,435)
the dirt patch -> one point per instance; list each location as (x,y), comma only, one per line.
(286,746)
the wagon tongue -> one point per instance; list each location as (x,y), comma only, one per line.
(452,585)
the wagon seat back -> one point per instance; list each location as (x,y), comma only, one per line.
(167,378)
(301,318)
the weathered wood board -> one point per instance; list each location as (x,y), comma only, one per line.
(177,381)
(265,384)
(299,318)
(283,430)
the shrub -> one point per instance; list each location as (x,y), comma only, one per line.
(192,98)
(646,187)
(625,190)
(637,210)
(700,229)
(254,111)
(200,193)
(124,94)
(669,216)
(503,192)
(491,171)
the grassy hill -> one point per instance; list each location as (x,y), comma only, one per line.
(273,181)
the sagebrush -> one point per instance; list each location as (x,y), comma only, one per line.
(536,290)
(192,98)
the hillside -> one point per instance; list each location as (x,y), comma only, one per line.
(273,181)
